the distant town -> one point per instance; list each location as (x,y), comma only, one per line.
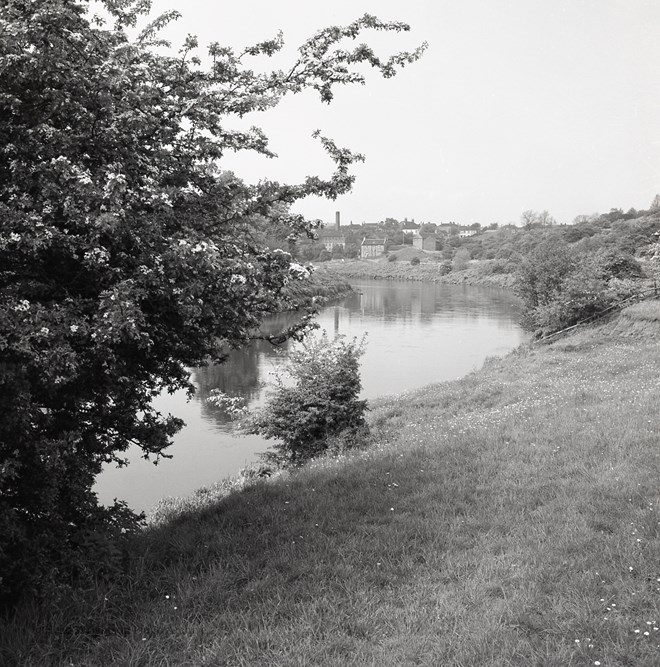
(372,239)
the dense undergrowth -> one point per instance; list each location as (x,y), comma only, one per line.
(508,518)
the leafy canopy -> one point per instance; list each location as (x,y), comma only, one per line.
(126,253)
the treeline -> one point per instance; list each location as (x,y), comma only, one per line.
(566,274)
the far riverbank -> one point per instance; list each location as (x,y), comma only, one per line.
(477,273)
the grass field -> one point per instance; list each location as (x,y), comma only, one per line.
(508,518)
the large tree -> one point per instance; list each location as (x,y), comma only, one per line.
(126,253)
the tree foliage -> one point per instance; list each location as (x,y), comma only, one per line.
(562,285)
(314,403)
(126,253)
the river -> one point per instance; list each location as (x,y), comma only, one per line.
(417,333)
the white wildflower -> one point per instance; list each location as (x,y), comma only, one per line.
(298,271)
(22,306)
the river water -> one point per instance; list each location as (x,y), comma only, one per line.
(417,333)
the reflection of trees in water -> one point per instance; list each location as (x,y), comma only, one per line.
(239,374)
(389,303)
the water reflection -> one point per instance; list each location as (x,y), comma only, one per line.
(416,334)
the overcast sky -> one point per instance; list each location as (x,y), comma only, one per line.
(517,104)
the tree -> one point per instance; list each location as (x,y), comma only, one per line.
(314,403)
(126,254)
(545,219)
(461,260)
(542,272)
(655,204)
(528,218)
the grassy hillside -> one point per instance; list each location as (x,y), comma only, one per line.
(508,518)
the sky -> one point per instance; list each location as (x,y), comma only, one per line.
(516,104)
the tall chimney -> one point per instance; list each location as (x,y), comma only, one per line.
(337,220)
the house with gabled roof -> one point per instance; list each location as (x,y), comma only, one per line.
(408,227)
(372,247)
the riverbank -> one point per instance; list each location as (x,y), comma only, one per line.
(482,272)
(322,286)
(511,517)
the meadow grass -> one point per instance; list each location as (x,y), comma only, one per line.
(508,518)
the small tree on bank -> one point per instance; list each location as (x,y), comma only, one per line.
(313,405)
(126,254)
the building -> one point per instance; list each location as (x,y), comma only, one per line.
(426,242)
(464,233)
(332,237)
(413,228)
(372,247)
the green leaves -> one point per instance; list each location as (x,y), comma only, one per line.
(314,403)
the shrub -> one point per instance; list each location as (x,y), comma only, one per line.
(561,287)
(414,261)
(314,404)
(461,260)
(614,263)
(391,258)
(542,272)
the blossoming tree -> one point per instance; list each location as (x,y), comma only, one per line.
(126,253)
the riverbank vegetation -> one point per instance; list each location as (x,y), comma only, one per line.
(564,274)
(319,287)
(511,517)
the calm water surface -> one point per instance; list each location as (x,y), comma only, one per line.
(417,333)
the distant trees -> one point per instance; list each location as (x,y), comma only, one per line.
(561,285)
(530,218)
(545,219)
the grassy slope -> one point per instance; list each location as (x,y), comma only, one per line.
(509,518)
(428,270)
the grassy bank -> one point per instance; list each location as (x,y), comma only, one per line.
(508,518)
(428,270)
(323,285)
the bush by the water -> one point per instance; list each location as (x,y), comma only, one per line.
(314,405)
